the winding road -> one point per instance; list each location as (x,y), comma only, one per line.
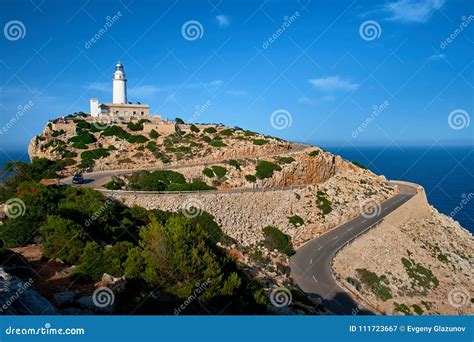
(311,265)
(98,178)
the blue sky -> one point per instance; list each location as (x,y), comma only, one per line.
(320,66)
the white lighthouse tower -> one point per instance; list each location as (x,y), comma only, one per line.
(119,85)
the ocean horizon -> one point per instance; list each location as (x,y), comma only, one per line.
(446,173)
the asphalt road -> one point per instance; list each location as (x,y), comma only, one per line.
(311,265)
(98,178)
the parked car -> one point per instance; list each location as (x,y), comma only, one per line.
(77,178)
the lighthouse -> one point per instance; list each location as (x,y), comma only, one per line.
(119,85)
(119,107)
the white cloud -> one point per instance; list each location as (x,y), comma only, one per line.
(223,20)
(333,83)
(411,10)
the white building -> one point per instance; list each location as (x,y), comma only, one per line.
(119,85)
(119,106)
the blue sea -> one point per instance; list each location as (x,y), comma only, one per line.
(447,174)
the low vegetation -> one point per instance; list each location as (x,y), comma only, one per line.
(250,178)
(285,160)
(323,203)
(164,180)
(296,221)
(264,169)
(378,285)
(276,239)
(421,277)
(235,164)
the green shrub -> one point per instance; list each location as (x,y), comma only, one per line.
(276,239)
(375,283)
(83,137)
(285,160)
(80,146)
(115,184)
(313,153)
(137,139)
(218,143)
(417,309)
(250,133)
(63,239)
(420,275)
(403,308)
(95,260)
(58,133)
(154,181)
(95,154)
(125,161)
(210,130)
(265,169)
(259,142)
(226,132)
(151,146)
(354,282)
(154,134)
(251,178)
(179,121)
(296,220)
(135,126)
(323,203)
(234,163)
(193,186)
(207,139)
(116,131)
(219,171)
(81,124)
(195,129)
(208,172)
